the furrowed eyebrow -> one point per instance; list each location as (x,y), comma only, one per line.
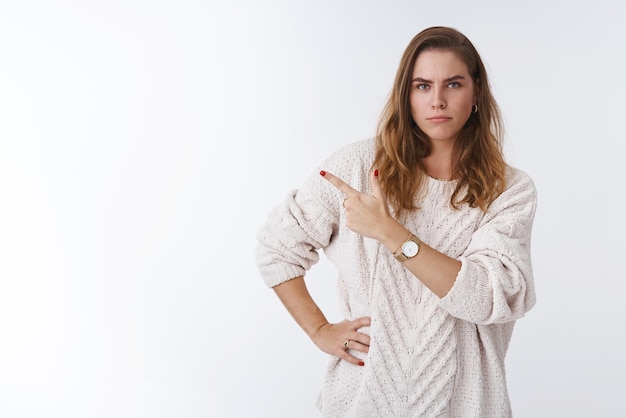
(447,80)
(454,78)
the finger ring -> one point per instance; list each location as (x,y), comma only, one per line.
(344,202)
(346,344)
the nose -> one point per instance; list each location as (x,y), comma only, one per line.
(438,100)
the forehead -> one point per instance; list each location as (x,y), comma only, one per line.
(433,63)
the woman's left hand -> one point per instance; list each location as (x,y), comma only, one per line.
(367,215)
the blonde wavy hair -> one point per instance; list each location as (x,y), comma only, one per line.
(478,161)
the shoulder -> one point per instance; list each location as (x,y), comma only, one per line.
(357,153)
(351,162)
(519,184)
(516,177)
(519,198)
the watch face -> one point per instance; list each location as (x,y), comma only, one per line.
(410,249)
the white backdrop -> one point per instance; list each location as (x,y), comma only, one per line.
(142,144)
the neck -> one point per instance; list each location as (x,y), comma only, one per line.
(439,163)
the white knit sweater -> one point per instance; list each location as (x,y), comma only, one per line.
(429,357)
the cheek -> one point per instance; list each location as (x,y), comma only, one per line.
(464,106)
(417,106)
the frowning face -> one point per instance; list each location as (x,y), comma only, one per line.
(442,94)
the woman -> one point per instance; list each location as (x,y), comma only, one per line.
(430,231)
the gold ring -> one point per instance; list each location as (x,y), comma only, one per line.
(344,202)
(346,344)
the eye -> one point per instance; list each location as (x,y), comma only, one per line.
(454,85)
(422,86)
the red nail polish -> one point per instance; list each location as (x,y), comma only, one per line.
(376,173)
(361,363)
(323,173)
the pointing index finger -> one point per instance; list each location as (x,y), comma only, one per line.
(343,187)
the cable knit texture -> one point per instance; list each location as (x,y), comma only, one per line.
(429,357)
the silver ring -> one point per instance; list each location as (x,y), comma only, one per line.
(346,344)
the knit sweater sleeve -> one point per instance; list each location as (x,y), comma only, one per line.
(495,283)
(307,220)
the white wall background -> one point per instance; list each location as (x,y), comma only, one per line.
(142,144)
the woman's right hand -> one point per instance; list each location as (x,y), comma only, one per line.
(333,338)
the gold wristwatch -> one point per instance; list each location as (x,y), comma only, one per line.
(408,249)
